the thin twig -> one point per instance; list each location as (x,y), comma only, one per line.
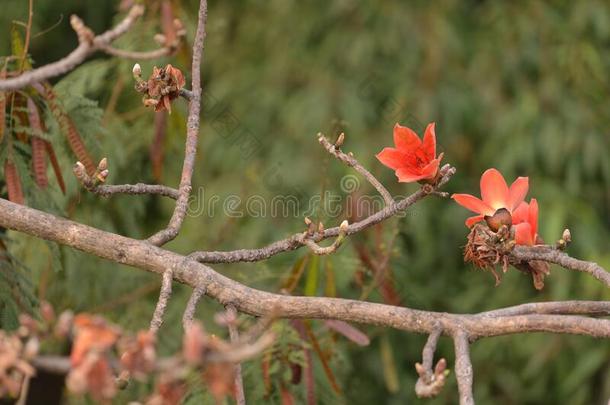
(551,255)
(25,388)
(349,160)
(463,368)
(28,35)
(240,396)
(85,48)
(166,292)
(136,189)
(192,137)
(296,241)
(589,308)
(191,306)
(138,55)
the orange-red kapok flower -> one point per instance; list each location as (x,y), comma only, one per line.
(412,159)
(525,222)
(496,195)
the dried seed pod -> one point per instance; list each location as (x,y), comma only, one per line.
(13,182)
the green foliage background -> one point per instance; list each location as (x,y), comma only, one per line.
(520,86)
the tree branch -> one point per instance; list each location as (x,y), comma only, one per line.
(164,295)
(191,307)
(589,308)
(145,256)
(192,137)
(463,368)
(296,241)
(430,382)
(138,55)
(240,396)
(551,255)
(88,44)
(135,189)
(348,159)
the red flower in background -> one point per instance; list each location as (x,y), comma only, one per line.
(525,222)
(495,195)
(412,159)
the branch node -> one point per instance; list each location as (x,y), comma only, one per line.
(319,250)
(84,33)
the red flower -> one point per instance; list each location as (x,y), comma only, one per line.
(412,159)
(525,222)
(496,195)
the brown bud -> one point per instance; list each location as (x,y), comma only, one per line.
(307,221)
(320,227)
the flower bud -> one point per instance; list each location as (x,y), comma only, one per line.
(441,366)
(320,227)
(137,70)
(344,226)
(307,221)
(566,236)
(102,165)
(340,140)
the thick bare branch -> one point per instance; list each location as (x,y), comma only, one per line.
(348,159)
(145,256)
(552,255)
(88,44)
(463,368)
(192,136)
(296,241)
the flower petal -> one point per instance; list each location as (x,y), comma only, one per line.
(473,220)
(523,234)
(532,217)
(405,138)
(494,190)
(429,143)
(407,176)
(473,204)
(392,158)
(521,213)
(431,169)
(517,192)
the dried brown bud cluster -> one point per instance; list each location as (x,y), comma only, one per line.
(163,86)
